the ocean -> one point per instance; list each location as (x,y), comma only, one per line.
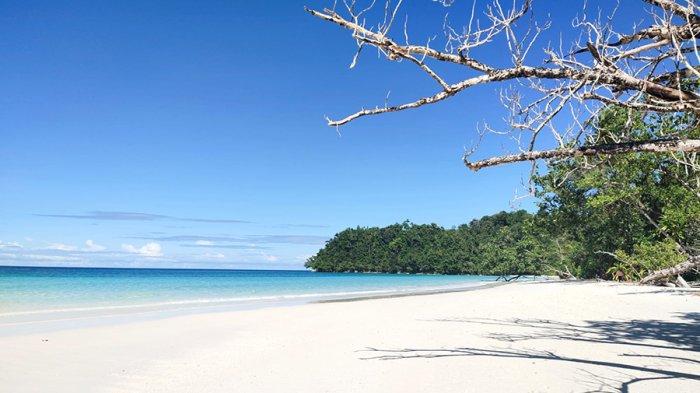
(44,293)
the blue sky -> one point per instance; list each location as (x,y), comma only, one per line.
(192,134)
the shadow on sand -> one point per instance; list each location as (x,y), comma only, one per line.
(682,335)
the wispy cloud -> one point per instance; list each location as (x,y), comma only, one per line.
(9,245)
(271,258)
(106,215)
(305,226)
(251,239)
(91,254)
(212,244)
(227,246)
(289,239)
(109,216)
(151,249)
(61,247)
(214,220)
(39,257)
(191,238)
(91,246)
(150,254)
(100,215)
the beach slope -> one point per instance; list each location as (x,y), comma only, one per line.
(521,337)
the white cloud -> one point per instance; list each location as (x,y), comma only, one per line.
(9,244)
(214,255)
(53,258)
(151,249)
(39,257)
(264,256)
(271,258)
(61,247)
(204,243)
(92,246)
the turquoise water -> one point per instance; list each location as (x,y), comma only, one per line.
(40,290)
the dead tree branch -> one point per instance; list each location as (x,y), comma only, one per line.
(644,69)
(659,146)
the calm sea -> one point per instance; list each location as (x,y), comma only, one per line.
(52,292)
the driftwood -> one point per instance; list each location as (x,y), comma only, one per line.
(662,275)
(681,282)
(565,275)
(506,279)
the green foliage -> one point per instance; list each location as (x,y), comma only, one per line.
(504,243)
(620,216)
(645,258)
(628,214)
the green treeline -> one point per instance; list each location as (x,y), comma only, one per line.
(617,217)
(497,244)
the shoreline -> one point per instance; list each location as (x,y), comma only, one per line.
(63,319)
(423,292)
(109,291)
(549,336)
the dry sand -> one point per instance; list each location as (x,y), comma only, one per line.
(522,337)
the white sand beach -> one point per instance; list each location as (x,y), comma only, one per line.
(521,337)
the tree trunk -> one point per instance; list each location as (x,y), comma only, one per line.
(692,263)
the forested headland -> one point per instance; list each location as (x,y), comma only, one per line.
(616,217)
(497,244)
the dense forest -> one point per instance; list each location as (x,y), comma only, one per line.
(497,244)
(617,217)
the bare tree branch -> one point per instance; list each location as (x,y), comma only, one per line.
(652,69)
(658,146)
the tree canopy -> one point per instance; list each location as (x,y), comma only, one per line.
(499,244)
